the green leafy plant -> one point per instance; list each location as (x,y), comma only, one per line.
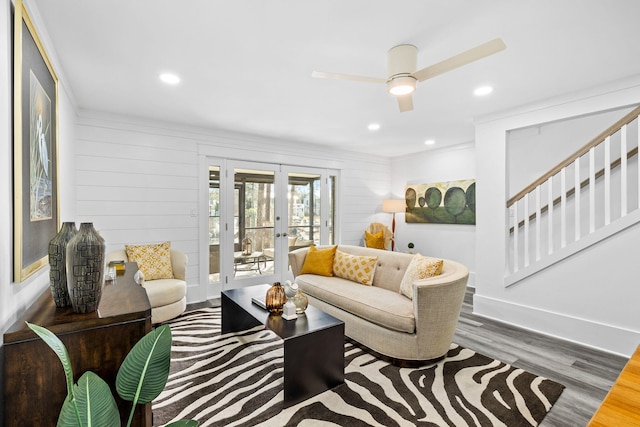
(141,378)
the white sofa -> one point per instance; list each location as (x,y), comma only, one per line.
(168,297)
(407,331)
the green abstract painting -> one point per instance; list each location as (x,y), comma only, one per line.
(451,202)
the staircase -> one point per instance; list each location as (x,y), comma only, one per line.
(591,195)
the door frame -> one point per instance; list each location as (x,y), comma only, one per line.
(281,174)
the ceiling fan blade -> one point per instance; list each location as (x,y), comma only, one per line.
(464,58)
(405,102)
(339,76)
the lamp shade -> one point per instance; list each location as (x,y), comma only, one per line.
(394,205)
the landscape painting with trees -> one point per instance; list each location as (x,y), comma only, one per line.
(452,202)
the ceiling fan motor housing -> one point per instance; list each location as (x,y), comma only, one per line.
(402,60)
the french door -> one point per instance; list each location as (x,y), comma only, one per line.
(258,212)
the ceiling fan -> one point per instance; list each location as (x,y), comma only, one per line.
(401,69)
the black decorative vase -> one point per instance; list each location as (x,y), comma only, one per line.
(58,264)
(85,268)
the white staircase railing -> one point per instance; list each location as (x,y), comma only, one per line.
(584,199)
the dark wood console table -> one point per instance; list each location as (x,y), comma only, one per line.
(34,381)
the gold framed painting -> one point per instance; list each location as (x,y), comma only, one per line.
(35,148)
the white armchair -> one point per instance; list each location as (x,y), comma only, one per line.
(387,235)
(168,297)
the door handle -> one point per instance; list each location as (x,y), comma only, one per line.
(277,234)
(284,234)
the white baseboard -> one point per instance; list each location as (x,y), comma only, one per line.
(609,338)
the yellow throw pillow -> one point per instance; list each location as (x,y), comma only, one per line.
(359,269)
(420,267)
(375,241)
(319,261)
(154,261)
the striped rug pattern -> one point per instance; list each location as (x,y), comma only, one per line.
(237,380)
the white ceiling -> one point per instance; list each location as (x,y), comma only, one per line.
(246,65)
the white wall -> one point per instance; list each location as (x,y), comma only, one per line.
(591,298)
(138,182)
(16,297)
(456,242)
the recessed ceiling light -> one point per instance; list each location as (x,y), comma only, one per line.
(171,79)
(429,142)
(373,127)
(483,90)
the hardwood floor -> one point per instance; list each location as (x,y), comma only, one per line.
(586,373)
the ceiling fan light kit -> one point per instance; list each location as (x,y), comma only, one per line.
(402,63)
(402,85)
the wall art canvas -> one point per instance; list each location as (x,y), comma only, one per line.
(451,202)
(35,165)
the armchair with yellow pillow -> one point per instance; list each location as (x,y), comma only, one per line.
(163,272)
(378,236)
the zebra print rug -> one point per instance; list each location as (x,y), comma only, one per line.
(237,380)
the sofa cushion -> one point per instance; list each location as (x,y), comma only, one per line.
(153,260)
(390,267)
(374,240)
(359,269)
(319,261)
(377,305)
(421,267)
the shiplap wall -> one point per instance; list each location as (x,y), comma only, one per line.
(15,298)
(137,181)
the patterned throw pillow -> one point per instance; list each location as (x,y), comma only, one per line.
(375,241)
(420,267)
(154,261)
(319,261)
(359,269)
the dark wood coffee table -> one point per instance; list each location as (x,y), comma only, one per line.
(313,343)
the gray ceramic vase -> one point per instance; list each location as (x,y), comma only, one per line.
(58,264)
(85,268)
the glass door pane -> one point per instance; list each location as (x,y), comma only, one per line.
(311,206)
(214,224)
(304,210)
(331,216)
(254,225)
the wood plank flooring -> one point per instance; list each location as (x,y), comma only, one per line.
(586,373)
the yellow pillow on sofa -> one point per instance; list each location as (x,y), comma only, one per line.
(420,267)
(319,261)
(375,241)
(359,269)
(154,261)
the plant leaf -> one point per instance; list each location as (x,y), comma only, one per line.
(144,372)
(94,402)
(60,350)
(184,423)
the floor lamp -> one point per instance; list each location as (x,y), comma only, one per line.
(393,206)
